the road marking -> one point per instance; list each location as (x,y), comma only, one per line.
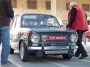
(88,53)
(16,63)
(86,61)
(61,65)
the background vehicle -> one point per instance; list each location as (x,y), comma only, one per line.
(40,35)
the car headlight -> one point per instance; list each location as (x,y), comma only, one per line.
(74,37)
(35,38)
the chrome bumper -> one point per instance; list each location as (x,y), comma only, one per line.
(49,48)
(52,49)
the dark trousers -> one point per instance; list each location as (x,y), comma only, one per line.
(80,50)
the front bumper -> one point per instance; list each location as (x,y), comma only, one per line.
(53,49)
(49,48)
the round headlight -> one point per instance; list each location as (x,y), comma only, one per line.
(74,37)
(35,38)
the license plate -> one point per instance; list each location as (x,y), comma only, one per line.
(57,52)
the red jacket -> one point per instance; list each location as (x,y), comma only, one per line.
(80,22)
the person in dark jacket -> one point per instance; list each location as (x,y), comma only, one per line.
(77,21)
(6,14)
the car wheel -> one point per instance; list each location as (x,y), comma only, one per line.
(66,56)
(23,52)
(11,50)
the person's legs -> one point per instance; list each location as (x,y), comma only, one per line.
(81,50)
(84,37)
(77,53)
(5,36)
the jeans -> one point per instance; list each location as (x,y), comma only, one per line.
(84,37)
(5,40)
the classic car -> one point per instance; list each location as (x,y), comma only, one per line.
(41,35)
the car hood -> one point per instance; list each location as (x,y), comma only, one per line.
(51,30)
(34,30)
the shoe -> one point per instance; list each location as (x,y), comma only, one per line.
(9,62)
(83,56)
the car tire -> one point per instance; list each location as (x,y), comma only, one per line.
(23,52)
(11,50)
(66,56)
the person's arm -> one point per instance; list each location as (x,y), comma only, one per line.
(72,17)
(9,9)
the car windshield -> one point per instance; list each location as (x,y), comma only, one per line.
(41,20)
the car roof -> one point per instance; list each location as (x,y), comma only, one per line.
(31,14)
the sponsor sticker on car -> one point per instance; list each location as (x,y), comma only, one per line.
(46,37)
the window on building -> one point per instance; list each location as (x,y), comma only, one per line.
(85,7)
(32,4)
(67,6)
(14,3)
(48,5)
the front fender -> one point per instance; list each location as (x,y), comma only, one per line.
(25,39)
(22,37)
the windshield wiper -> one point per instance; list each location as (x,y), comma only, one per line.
(53,26)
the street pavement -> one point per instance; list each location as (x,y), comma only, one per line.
(49,61)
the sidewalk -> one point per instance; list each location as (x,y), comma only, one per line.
(87,44)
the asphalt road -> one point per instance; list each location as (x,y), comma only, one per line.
(50,61)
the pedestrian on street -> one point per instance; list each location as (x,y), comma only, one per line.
(6,14)
(77,21)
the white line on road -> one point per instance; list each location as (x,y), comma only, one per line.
(86,61)
(88,53)
(61,65)
(15,63)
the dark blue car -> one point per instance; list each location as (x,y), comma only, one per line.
(40,35)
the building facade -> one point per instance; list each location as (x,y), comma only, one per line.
(59,8)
